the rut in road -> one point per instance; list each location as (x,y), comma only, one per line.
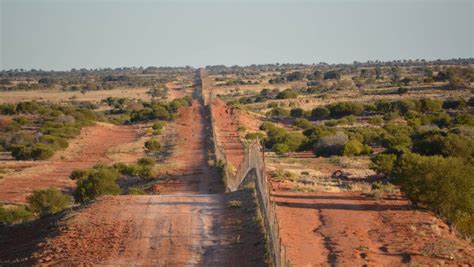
(190,225)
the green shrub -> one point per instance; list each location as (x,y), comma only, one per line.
(383,163)
(302,123)
(445,185)
(287,94)
(255,135)
(153,145)
(272,105)
(128,169)
(135,191)
(314,134)
(145,167)
(464,119)
(397,136)
(13,215)
(77,174)
(146,161)
(98,181)
(376,120)
(296,112)
(20,151)
(331,123)
(158,125)
(330,145)
(145,172)
(441,119)
(266,126)
(48,201)
(41,152)
(276,135)
(454,104)
(355,148)
(22,120)
(152,112)
(430,105)
(278,112)
(280,149)
(350,119)
(448,145)
(342,109)
(55,142)
(320,113)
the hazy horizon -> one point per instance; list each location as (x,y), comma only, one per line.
(61,34)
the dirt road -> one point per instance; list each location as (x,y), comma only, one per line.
(188,225)
(89,148)
(165,230)
(190,169)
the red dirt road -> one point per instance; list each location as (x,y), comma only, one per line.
(191,173)
(83,152)
(349,229)
(182,228)
(164,230)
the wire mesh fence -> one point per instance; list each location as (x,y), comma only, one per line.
(254,159)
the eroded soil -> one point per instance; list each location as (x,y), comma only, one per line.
(350,229)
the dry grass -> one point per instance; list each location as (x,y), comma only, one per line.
(62,96)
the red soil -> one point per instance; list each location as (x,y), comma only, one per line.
(83,152)
(187,227)
(250,121)
(192,173)
(175,90)
(349,229)
(226,124)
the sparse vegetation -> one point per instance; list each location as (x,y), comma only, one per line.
(48,201)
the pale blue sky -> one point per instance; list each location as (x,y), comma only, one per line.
(64,34)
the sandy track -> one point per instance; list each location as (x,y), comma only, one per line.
(192,172)
(348,229)
(88,149)
(164,230)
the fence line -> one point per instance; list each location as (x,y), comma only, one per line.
(254,159)
(266,206)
